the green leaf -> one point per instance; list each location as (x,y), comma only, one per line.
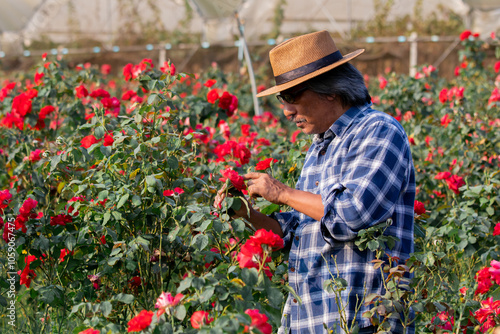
(238,226)
(106,308)
(143,242)
(99,132)
(180,312)
(196,217)
(136,200)
(70,242)
(200,241)
(207,294)
(106,150)
(130,265)
(172,162)
(150,180)
(106,218)
(49,294)
(270,209)
(490,211)
(117,215)
(124,298)
(112,260)
(250,276)
(274,295)
(3,301)
(53,163)
(122,200)
(103,195)
(185,284)
(153,98)
(76,308)
(236,203)
(373,245)
(203,226)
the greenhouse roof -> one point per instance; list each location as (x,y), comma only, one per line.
(15,14)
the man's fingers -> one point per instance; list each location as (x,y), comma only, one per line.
(252,175)
(251,192)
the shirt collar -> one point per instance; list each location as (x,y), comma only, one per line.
(343,122)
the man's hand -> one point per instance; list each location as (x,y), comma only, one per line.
(241,212)
(263,185)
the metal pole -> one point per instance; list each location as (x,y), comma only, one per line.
(249,65)
(162,57)
(349,15)
(413,54)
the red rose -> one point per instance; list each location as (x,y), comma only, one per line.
(259,321)
(237,180)
(455,182)
(209,83)
(61,219)
(212,96)
(108,140)
(99,93)
(88,141)
(419,208)
(128,95)
(140,322)
(26,276)
(442,176)
(242,153)
(225,100)
(497,66)
(105,69)
(199,319)
(127,71)
(268,238)
(465,34)
(445,120)
(443,95)
(496,230)
(382,82)
(45,111)
(90,331)
(264,164)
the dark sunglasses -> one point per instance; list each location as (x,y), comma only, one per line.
(290,97)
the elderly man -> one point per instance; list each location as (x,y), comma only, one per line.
(358,173)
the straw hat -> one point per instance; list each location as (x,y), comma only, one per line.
(304,57)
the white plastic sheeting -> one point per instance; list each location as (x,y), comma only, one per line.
(103,20)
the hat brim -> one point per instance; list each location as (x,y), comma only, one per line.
(295,82)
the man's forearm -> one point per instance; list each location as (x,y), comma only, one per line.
(308,203)
(260,220)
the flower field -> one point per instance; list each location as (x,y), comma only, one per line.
(107,185)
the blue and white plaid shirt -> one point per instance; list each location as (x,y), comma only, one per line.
(363,170)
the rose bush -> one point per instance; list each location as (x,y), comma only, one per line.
(110,184)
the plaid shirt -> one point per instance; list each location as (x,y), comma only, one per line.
(363,170)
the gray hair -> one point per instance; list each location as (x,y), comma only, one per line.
(344,81)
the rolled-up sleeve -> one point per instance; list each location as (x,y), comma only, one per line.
(288,222)
(374,174)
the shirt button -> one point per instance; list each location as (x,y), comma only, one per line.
(297,237)
(294,300)
(316,183)
(322,152)
(292,269)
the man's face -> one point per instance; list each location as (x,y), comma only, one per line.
(311,112)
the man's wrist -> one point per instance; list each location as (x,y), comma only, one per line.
(285,195)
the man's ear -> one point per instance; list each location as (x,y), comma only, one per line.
(331,97)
